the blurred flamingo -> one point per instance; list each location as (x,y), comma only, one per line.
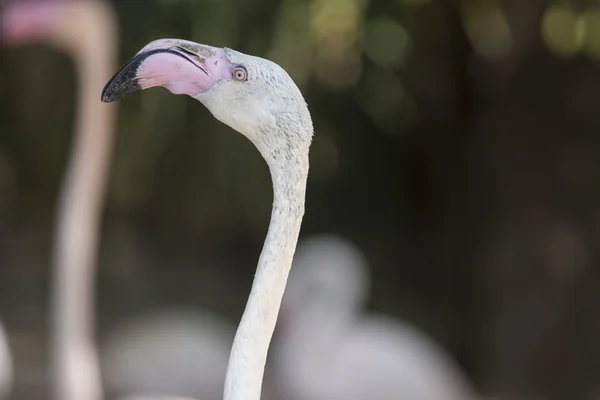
(87,31)
(168,352)
(325,349)
(6,365)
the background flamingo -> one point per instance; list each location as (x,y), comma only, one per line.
(168,352)
(87,31)
(6,365)
(327,349)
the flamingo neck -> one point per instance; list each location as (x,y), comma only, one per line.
(75,360)
(251,344)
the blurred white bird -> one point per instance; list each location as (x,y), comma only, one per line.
(6,366)
(142,397)
(326,349)
(88,32)
(168,354)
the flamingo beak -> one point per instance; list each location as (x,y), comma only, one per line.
(181,66)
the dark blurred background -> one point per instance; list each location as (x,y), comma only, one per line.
(456,142)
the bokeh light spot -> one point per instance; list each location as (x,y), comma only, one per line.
(591,41)
(488,31)
(334,27)
(562,30)
(386,42)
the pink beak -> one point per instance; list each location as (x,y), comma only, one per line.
(181,66)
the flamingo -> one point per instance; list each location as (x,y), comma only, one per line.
(325,349)
(257,98)
(86,30)
(6,366)
(168,352)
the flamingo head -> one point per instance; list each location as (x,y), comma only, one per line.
(252,95)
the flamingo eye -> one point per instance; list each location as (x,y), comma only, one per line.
(240,74)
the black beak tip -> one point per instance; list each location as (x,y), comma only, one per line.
(109,94)
(119,86)
(123,82)
(105,97)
